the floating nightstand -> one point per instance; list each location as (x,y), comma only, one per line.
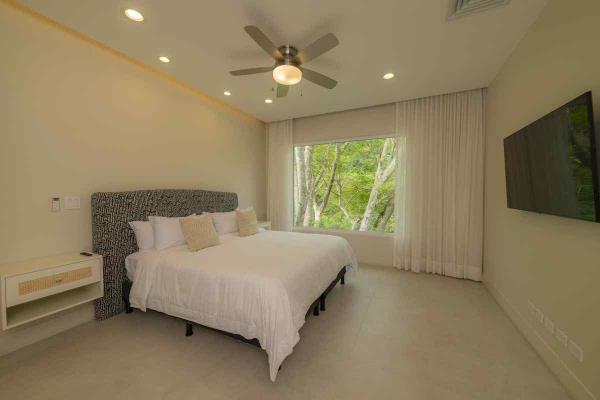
(265,225)
(40,287)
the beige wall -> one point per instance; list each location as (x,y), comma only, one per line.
(372,248)
(553,262)
(76,118)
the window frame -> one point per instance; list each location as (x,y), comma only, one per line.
(340,232)
(311,229)
(343,140)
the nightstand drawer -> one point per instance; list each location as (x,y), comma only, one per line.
(35,285)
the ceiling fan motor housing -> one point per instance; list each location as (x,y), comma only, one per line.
(288,54)
(287,69)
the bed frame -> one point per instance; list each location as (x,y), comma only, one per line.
(114,240)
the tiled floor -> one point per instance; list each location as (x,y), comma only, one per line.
(385,335)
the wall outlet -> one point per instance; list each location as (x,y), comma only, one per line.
(576,350)
(531,308)
(549,325)
(539,315)
(72,203)
(561,337)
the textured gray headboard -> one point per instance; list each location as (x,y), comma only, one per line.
(114,240)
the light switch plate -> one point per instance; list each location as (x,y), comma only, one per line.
(72,203)
(55,204)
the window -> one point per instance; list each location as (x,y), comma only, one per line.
(345,185)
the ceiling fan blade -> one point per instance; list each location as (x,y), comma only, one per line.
(282,90)
(318,47)
(318,78)
(250,71)
(263,41)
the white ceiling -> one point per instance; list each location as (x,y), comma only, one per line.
(205,39)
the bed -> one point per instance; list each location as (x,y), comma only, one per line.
(258,288)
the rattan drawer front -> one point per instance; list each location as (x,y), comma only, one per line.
(32,286)
(47,282)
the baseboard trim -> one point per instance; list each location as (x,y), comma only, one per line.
(565,375)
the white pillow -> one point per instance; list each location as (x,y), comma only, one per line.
(144,234)
(225,222)
(167,232)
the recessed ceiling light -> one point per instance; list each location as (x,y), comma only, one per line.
(227,93)
(389,75)
(164,59)
(134,15)
(268,101)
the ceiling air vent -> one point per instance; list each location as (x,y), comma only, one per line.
(461,8)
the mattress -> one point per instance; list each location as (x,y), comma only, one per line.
(258,286)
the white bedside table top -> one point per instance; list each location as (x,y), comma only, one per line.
(264,224)
(40,263)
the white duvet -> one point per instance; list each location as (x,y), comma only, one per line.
(258,286)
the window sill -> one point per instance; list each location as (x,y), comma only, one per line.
(342,232)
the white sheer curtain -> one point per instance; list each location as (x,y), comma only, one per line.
(439,187)
(280,178)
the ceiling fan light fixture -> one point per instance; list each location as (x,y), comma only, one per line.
(288,60)
(287,74)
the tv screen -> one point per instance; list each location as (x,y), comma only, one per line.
(551,164)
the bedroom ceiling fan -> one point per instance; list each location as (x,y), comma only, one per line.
(288,68)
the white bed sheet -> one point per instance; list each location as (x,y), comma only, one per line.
(131,263)
(258,286)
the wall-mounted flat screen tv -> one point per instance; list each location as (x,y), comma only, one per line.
(552,164)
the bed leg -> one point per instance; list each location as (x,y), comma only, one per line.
(128,308)
(343,280)
(189,329)
(126,289)
(316,310)
(322,303)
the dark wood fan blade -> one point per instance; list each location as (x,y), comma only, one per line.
(318,78)
(317,48)
(263,41)
(250,71)
(282,90)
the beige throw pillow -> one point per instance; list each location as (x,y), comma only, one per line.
(199,232)
(247,223)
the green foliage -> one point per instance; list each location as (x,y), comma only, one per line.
(353,183)
(581,163)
